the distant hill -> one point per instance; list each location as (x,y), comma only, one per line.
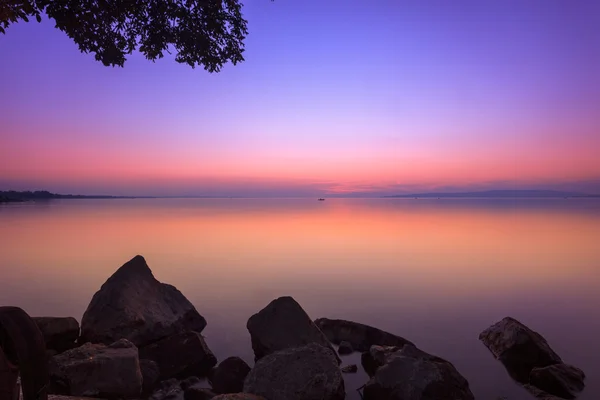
(12,196)
(498,194)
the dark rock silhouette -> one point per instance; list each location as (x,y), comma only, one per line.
(562,380)
(407,373)
(519,348)
(22,352)
(345,348)
(59,334)
(309,372)
(229,376)
(529,359)
(98,370)
(360,336)
(133,305)
(283,324)
(181,355)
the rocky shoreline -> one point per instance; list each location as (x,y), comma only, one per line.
(141,339)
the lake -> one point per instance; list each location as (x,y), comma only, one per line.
(435,271)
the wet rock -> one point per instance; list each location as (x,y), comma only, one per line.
(350,369)
(133,305)
(168,390)
(561,380)
(59,333)
(408,373)
(97,370)
(150,375)
(198,393)
(345,348)
(238,396)
(310,372)
(181,355)
(519,348)
(229,376)
(189,382)
(282,324)
(360,336)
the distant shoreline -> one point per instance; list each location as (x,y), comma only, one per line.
(13,196)
(499,194)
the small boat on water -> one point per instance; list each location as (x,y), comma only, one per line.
(321,199)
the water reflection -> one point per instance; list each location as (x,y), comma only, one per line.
(435,271)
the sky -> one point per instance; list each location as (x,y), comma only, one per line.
(335,97)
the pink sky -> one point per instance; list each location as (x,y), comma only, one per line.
(473,97)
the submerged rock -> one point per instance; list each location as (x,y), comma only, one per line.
(310,372)
(59,333)
(530,360)
(360,336)
(407,373)
(561,380)
(350,369)
(283,324)
(519,348)
(168,390)
(97,370)
(229,376)
(345,348)
(133,305)
(181,355)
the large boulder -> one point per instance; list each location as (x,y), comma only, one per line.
(283,324)
(310,372)
(133,305)
(561,380)
(60,333)
(407,373)
(360,336)
(97,370)
(519,348)
(181,355)
(229,376)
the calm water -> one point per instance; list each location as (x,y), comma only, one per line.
(434,271)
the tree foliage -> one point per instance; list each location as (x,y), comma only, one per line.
(207,33)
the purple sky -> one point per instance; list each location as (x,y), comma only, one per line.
(334,97)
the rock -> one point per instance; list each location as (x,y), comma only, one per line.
(238,396)
(181,355)
(412,374)
(540,394)
(360,336)
(168,390)
(97,370)
(561,380)
(229,376)
(189,382)
(150,375)
(133,305)
(198,393)
(345,348)
(350,369)
(519,348)
(310,372)
(376,357)
(59,334)
(283,324)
